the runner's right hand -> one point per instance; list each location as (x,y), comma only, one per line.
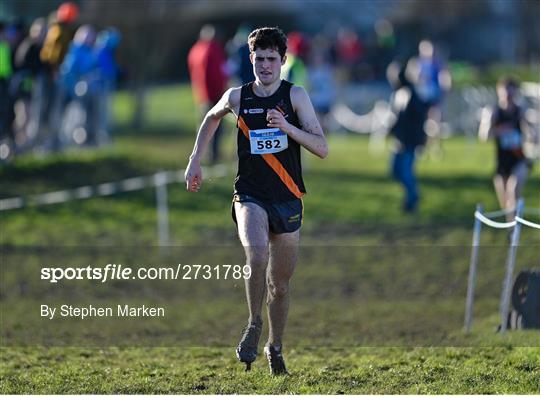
(193,176)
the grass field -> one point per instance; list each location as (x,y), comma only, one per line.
(377,300)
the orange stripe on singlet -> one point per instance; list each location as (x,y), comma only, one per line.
(274,163)
(243,127)
(280,110)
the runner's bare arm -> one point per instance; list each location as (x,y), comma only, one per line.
(311,135)
(526,124)
(229,102)
(486,121)
(488,127)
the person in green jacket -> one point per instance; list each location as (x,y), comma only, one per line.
(6,70)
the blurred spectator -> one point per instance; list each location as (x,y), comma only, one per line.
(385,46)
(385,34)
(321,84)
(207,65)
(27,55)
(6,71)
(55,47)
(434,79)
(28,83)
(299,45)
(78,84)
(15,34)
(59,35)
(349,50)
(294,69)
(79,61)
(506,123)
(238,52)
(408,130)
(107,74)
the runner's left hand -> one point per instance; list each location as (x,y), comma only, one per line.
(277,120)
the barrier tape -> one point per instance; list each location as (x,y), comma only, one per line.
(104,189)
(527,223)
(510,224)
(492,223)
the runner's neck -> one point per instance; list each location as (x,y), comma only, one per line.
(266,90)
(507,105)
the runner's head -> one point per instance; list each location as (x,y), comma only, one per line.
(425,49)
(267,47)
(507,89)
(268,38)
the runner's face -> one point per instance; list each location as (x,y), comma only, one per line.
(267,65)
(506,93)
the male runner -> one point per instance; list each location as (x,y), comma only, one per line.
(507,124)
(274,119)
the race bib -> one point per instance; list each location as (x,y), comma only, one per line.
(510,140)
(268,141)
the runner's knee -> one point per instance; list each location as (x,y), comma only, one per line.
(278,289)
(257,257)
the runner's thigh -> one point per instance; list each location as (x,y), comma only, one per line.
(283,254)
(252,221)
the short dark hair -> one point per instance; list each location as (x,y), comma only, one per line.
(508,82)
(268,38)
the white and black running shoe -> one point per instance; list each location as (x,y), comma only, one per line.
(275,360)
(248,345)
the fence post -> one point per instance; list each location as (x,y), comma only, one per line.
(160,181)
(472,271)
(510,263)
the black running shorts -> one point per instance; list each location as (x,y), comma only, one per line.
(283,217)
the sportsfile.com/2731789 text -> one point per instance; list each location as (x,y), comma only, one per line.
(121,272)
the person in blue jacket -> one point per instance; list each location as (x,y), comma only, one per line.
(76,83)
(107,75)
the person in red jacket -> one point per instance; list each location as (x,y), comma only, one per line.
(207,68)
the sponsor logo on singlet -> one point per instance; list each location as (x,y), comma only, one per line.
(253,111)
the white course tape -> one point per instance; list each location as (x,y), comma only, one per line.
(52,197)
(135,183)
(11,203)
(105,189)
(492,223)
(83,192)
(527,223)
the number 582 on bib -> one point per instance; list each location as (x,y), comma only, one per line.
(268,141)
